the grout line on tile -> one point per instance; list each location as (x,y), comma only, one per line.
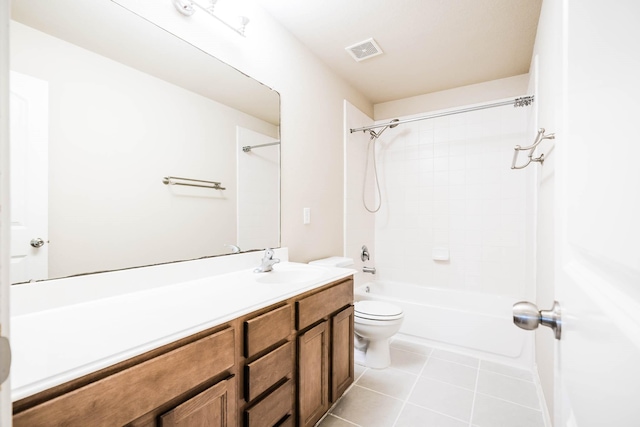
(337,402)
(463,364)
(405,371)
(450,383)
(453,361)
(510,376)
(509,401)
(377,392)
(430,350)
(415,382)
(442,413)
(444,382)
(355,379)
(435,412)
(475,393)
(343,419)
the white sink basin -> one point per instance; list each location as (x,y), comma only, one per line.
(290,274)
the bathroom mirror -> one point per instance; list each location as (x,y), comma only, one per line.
(105,106)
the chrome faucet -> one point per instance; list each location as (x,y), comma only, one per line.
(267,262)
(371,270)
(234,249)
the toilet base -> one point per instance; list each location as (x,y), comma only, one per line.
(360,357)
(378,355)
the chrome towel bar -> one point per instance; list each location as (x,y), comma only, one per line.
(531,148)
(248,148)
(175,180)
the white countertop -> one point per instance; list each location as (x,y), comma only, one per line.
(53,346)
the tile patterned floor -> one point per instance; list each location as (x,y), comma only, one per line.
(427,387)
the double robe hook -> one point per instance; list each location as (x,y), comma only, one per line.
(540,159)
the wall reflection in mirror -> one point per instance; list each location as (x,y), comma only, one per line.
(104,106)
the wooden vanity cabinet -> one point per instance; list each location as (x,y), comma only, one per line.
(325,349)
(281,366)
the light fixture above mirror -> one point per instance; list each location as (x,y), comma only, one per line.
(188,8)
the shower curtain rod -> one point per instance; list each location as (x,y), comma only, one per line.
(517,102)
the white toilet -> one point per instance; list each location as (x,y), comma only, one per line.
(376,322)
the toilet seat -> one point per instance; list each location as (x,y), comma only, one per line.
(377,310)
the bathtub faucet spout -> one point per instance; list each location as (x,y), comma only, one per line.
(371,270)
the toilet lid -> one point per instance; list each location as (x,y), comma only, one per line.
(377,310)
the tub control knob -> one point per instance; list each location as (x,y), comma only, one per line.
(527,316)
(364,253)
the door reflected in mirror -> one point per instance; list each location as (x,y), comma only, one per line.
(102,109)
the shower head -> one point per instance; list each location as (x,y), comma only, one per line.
(375,134)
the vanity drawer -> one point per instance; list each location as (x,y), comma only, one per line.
(265,372)
(317,306)
(272,408)
(123,397)
(266,330)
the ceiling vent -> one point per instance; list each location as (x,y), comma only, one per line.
(364,50)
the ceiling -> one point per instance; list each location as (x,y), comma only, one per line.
(428,45)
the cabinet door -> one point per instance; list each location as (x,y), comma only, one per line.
(214,407)
(313,374)
(341,352)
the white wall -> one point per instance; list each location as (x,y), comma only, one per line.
(114,134)
(312,116)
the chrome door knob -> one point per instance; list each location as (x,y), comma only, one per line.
(37,242)
(527,316)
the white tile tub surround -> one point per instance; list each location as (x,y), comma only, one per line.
(447,182)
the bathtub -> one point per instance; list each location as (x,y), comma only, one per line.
(472,322)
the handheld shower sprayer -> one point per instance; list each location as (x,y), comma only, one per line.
(374,137)
(375,134)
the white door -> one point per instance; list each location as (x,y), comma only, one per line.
(5,386)
(598,217)
(29,177)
